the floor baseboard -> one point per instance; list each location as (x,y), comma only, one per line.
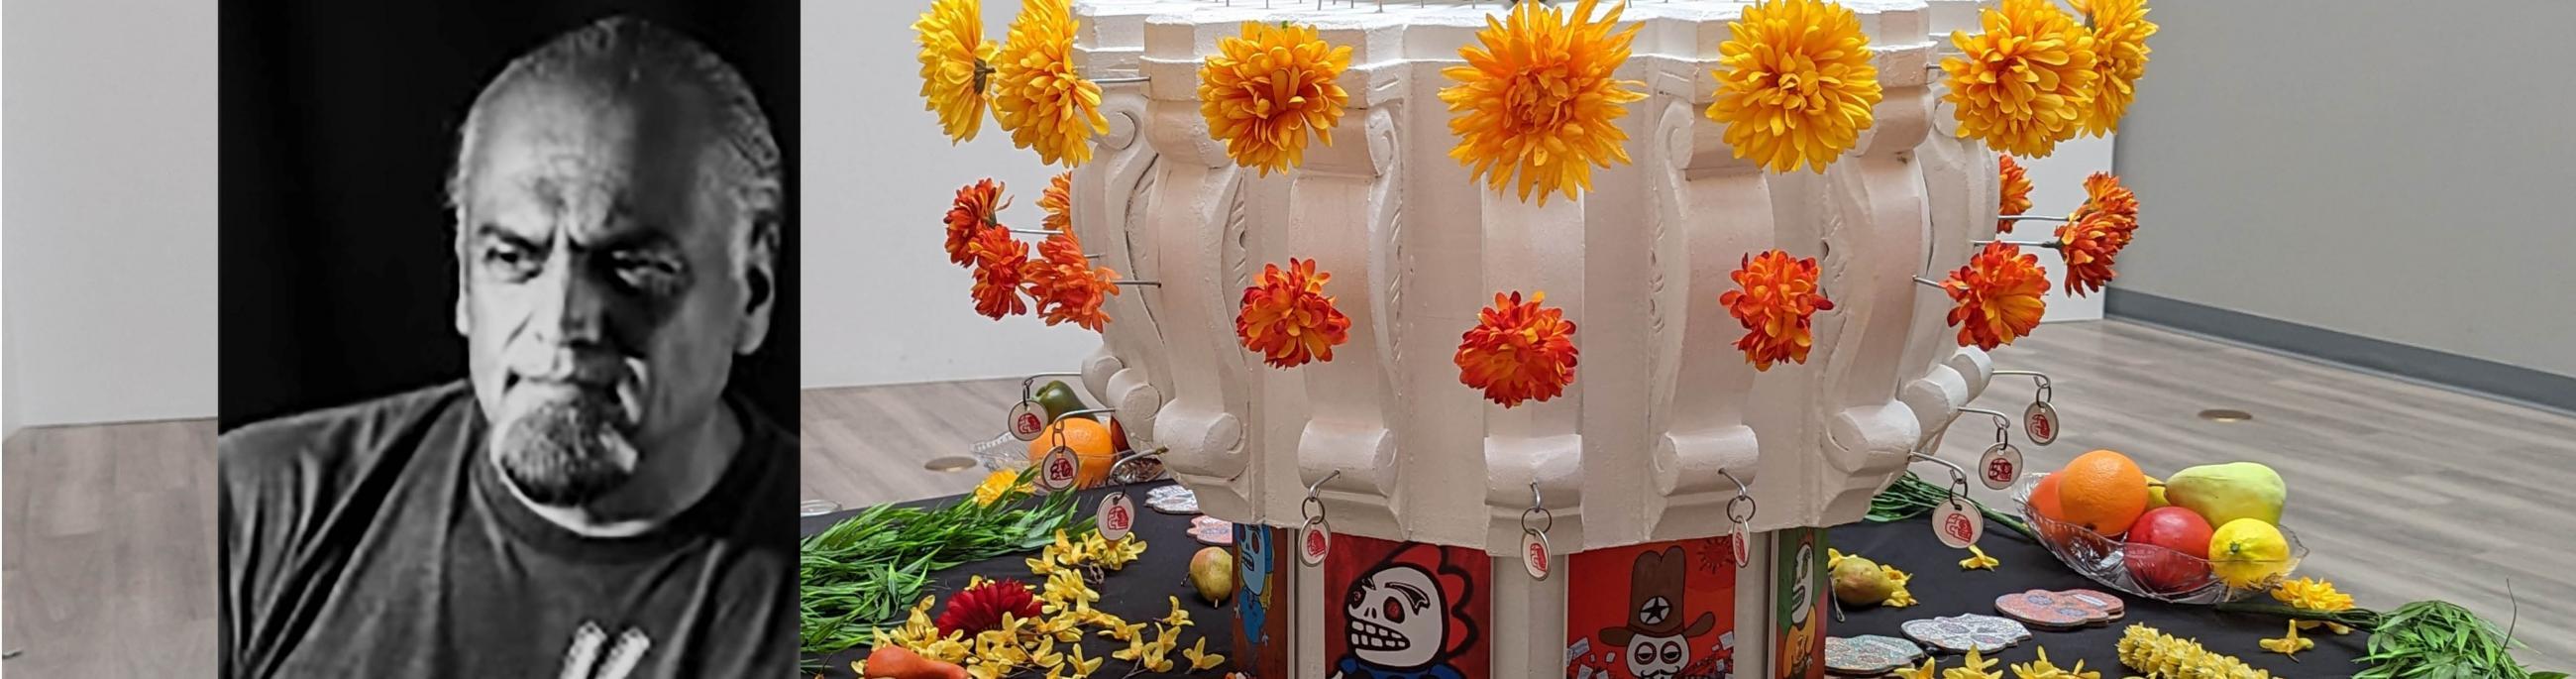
(2412,363)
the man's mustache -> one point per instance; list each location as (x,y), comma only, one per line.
(580,366)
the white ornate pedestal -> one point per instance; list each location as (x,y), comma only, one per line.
(1663,408)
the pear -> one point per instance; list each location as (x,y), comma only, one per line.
(1212,573)
(2222,493)
(1860,582)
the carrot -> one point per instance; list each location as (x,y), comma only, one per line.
(889,661)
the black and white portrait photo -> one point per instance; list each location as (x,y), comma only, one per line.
(508,351)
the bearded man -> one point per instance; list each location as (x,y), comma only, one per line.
(590,501)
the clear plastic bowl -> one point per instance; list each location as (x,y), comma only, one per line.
(2107,559)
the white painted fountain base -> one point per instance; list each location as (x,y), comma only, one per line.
(1662,404)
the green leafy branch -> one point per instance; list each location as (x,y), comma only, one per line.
(867,571)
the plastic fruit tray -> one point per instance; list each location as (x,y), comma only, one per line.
(2184,578)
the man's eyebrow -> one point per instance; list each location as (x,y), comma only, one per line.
(493,231)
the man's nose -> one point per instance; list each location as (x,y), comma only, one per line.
(571,306)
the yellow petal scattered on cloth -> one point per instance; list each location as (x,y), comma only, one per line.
(1975,666)
(1979,561)
(1200,659)
(1926,671)
(2290,644)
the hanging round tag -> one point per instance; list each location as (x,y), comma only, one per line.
(1740,545)
(1117,516)
(2000,466)
(1058,470)
(1313,542)
(2040,422)
(1957,523)
(1025,422)
(1534,554)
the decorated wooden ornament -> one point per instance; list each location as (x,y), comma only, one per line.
(2061,609)
(1959,633)
(1212,531)
(1869,655)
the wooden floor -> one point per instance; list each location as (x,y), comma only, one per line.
(111,559)
(2402,492)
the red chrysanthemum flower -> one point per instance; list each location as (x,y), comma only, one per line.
(1518,352)
(1777,303)
(979,607)
(1066,285)
(2088,248)
(2103,194)
(1288,319)
(976,210)
(1058,202)
(998,258)
(1999,295)
(2016,191)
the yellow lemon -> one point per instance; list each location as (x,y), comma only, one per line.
(2245,552)
(2156,493)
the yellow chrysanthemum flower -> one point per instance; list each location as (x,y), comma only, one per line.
(1537,105)
(2120,31)
(1038,96)
(2025,83)
(956,62)
(1798,85)
(1263,91)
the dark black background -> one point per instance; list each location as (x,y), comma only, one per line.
(339,122)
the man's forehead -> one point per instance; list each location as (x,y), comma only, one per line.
(591,157)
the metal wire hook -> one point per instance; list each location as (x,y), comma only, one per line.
(2001,420)
(1112,412)
(1031,382)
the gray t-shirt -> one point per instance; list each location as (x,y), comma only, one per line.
(373,541)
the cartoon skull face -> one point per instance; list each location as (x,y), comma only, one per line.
(1657,657)
(1395,617)
(1799,591)
(1254,568)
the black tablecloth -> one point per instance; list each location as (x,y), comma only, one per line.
(1141,592)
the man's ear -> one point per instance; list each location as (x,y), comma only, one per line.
(760,280)
(464,312)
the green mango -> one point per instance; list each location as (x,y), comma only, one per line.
(2221,493)
(1058,398)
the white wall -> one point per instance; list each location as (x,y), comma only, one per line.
(2310,162)
(881,302)
(110,264)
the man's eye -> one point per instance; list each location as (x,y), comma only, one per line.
(510,261)
(646,272)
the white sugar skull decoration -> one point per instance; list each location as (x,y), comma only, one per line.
(1396,617)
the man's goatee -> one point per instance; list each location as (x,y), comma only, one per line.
(565,453)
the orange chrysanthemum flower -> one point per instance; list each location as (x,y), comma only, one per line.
(1999,295)
(998,258)
(2103,194)
(1288,319)
(2023,85)
(1263,91)
(1037,94)
(1066,285)
(1777,301)
(977,207)
(2120,31)
(1518,352)
(1536,106)
(2016,196)
(1798,85)
(2088,246)
(1058,203)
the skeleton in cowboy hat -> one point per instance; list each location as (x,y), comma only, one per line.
(1658,642)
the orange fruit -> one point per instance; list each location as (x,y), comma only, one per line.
(2103,491)
(1091,445)
(2043,501)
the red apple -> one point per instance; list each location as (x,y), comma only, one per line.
(2166,549)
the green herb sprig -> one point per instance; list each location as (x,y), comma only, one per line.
(2440,639)
(1911,496)
(867,571)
